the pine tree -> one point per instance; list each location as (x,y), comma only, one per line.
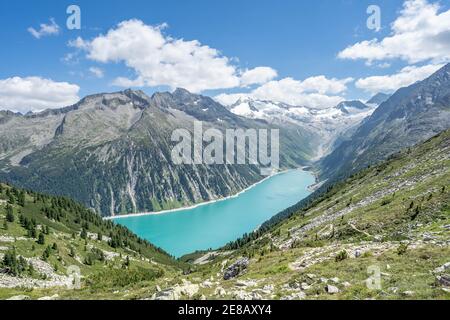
(9,214)
(41,239)
(21,199)
(72,252)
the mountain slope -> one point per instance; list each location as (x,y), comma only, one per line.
(409,116)
(42,238)
(378,99)
(112,151)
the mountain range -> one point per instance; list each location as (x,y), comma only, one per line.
(112,151)
(328,125)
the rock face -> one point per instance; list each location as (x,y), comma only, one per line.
(378,99)
(236,268)
(112,152)
(410,116)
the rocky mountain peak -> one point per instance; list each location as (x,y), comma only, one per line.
(378,99)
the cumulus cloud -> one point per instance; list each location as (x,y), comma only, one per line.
(259,75)
(36,93)
(390,83)
(97,72)
(314,92)
(161,60)
(45,29)
(420,33)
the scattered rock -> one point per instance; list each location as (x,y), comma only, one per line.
(220,292)
(393,289)
(346,284)
(246,283)
(168,294)
(408,293)
(53,297)
(305,286)
(294,296)
(244,295)
(331,289)
(335,280)
(185,289)
(20,297)
(206,284)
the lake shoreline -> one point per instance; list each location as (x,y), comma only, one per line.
(123,216)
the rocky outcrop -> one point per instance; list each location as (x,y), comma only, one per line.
(236,268)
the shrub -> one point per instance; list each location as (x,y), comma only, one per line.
(341,256)
(402,248)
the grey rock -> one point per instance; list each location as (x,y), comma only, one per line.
(331,289)
(444,280)
(236,268)
(20,297)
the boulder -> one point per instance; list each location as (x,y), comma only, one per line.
(53,297)
(331,289)
(236,268)
(20,297)
(335,280)
(442,268)
(443,280)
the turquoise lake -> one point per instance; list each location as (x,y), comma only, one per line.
(215,224)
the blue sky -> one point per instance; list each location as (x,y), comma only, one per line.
(299,40)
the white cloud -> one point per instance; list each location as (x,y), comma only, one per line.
(420,33)
(314,92)
(161,60)
(390,83)
(36,93)
(259,75)
(45,29)
(97,72)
